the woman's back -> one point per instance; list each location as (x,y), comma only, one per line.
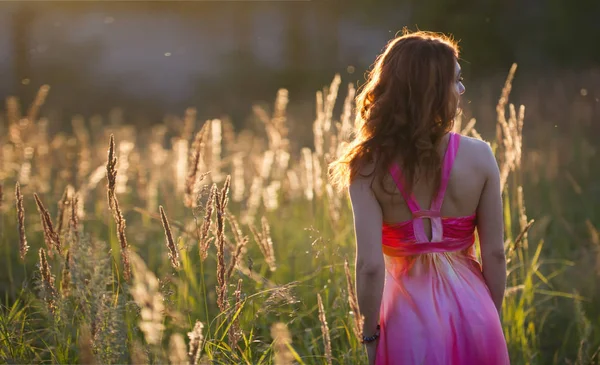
(466,181)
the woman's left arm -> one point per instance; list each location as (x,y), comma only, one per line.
(370,266)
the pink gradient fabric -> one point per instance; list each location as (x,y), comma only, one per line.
(436,307)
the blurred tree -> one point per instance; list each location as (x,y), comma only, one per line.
(572,30)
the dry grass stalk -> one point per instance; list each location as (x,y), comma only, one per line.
(270,196)
(254,199)
(120,221)
(318,125)
(17,126)
(283,163)
(239,247)
(346,127)
(257,185)
(333,147)
(111,173)
(194,177)
(509,132)
(180,150)
(353,302)
(1,195)
(177,349)
(74,219)
(23,247)
(273,136)
(506,89)
(43,158)
(294,186)
(279,123)
(65,283)
(152,192)
(220,243)
(235,330)
(125,148)
(330,102)
(236,230)
(238,177)
(13,110)
(39,100)
(216,141)
(51,237)
(189,123)
(92,181)
(318,175)
(265,243)
(225,193)
(49,291)
(517,243)
(325,330)
(196,341)
(308,177)
(63,203)
(267,165)
(261,114)
(522,215)
(25,170)
(113,203)
(171,246)
(205,147)
(280,113)
(203,240)
(146,293)
(282,340)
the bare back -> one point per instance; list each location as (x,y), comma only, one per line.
(467,179)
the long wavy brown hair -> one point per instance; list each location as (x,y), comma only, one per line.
(403,111)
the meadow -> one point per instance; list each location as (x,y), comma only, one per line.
(194,242)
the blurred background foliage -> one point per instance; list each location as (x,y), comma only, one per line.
(152,58)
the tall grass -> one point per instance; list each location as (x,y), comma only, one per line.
(275,288)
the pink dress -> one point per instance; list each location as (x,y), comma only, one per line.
(436,307)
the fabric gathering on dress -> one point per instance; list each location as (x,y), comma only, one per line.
(436,307)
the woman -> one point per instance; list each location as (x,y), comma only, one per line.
(424,296)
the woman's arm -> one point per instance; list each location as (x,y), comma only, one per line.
(370,267)
(490,227)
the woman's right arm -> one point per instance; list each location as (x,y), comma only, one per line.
(490,228)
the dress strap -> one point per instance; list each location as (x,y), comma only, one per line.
(449,157)
(433,214)
(398,179)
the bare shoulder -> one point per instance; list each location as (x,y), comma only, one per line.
(363,180)
(479,154)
